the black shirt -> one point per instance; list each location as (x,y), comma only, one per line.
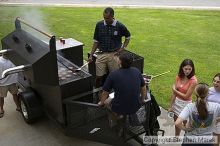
(110,36)
(126,84)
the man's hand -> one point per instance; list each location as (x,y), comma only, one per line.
(104,96)
(188,127)
(120,50)
(103,104)
(100,103)
(94,47)
(174,88)
(170,109)
(90,58)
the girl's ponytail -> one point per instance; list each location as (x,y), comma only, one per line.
(201,91)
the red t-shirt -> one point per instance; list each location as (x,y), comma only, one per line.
(183,88)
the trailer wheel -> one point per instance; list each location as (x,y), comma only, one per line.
(31,108)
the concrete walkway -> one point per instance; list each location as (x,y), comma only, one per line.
(15,132)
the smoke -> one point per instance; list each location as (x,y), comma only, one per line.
(35,18)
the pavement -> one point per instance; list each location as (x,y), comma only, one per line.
(15,132)
(45,132)
(185,4)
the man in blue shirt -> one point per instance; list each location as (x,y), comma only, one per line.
(108,39)
(128,85)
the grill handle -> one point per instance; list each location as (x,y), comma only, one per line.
(14,70)
(2,52)
(22,21)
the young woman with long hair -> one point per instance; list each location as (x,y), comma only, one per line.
(183,89)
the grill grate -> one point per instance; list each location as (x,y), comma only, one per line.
(67,71)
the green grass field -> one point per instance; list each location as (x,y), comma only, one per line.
(163,37)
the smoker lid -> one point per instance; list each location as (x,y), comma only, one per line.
(27,48)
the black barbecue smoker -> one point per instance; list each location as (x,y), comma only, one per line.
(50,84)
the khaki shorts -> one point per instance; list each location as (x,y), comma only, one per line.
(106,62)
(11,88)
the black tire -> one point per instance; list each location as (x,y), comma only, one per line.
(31,108)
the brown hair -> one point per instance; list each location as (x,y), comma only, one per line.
(201,92)
(126,60)
(185,63)
(217,75)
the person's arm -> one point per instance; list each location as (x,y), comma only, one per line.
(173,96)
(94,47)
(95,43)
(106,88)
(183,117)
(180,125)
(218,119)
(143,88)
(125,44)
(143,93)
(188,93)
(218,114)
(127,34)
(104,96)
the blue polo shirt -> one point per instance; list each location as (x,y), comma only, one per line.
(109,37)
(126,84)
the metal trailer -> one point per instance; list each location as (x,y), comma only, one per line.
(49,83)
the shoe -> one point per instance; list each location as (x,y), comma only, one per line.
(18,109)
(2,114)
